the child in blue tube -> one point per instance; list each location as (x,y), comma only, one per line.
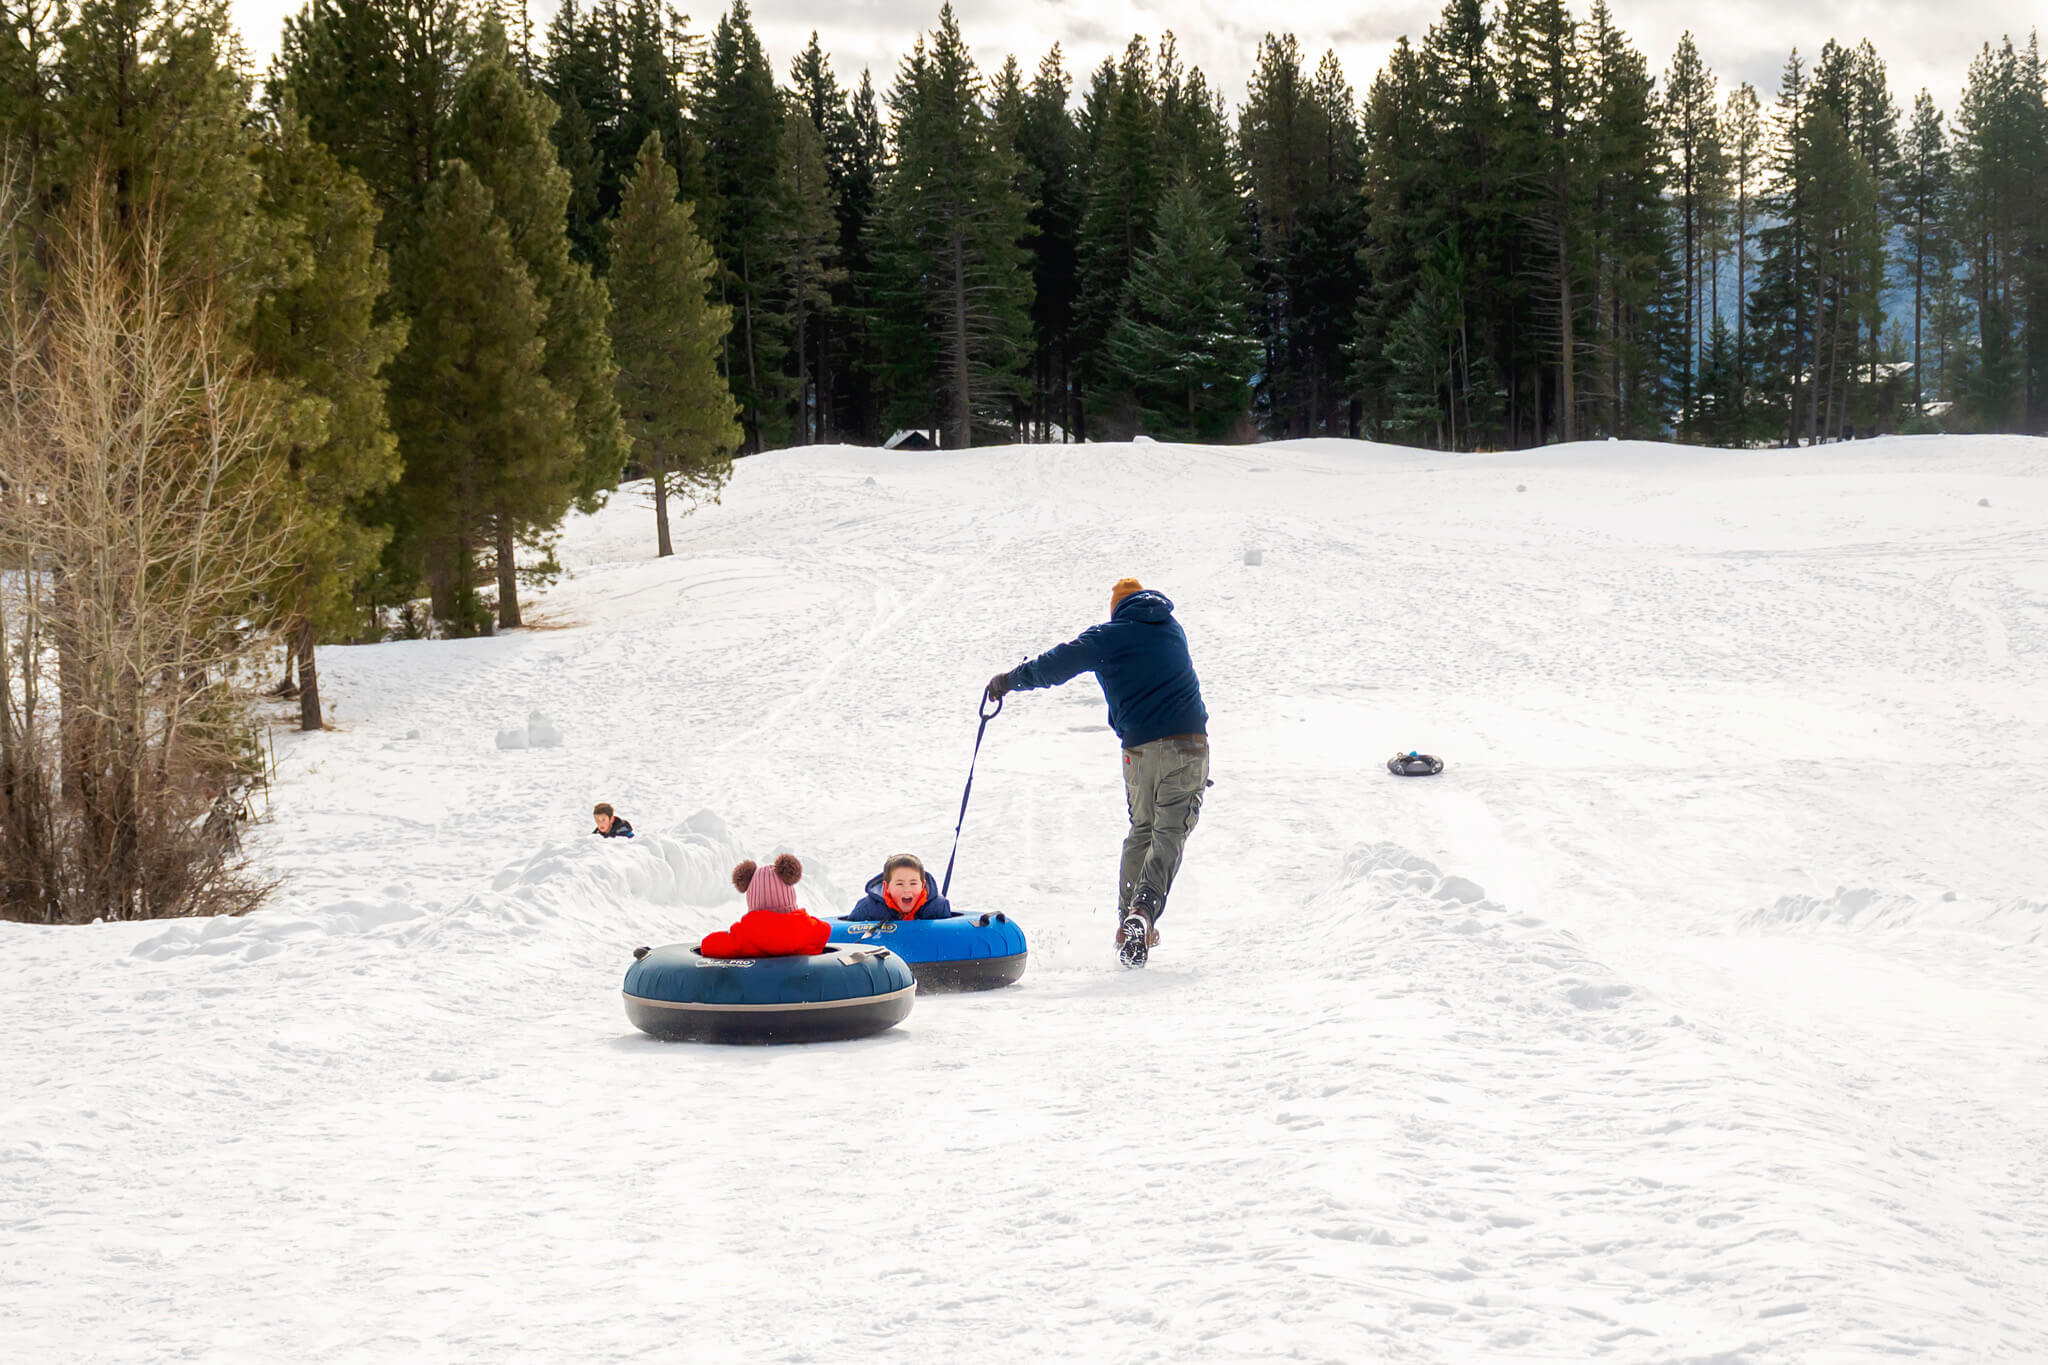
(904,890)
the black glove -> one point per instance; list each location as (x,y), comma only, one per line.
(998,687)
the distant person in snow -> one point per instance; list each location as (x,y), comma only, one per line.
(774,925)
(1140,656)
(903,890)
(609,825)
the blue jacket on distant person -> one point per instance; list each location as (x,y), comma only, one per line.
(875,905)
(1140,656)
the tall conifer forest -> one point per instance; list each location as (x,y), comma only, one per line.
(485,270)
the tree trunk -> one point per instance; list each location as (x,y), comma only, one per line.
(17,868)
(662,547)
(304,642)
(1919,293)
(508,578)
(443,592)
(7,802)
(2036,400)
(1451,388)
(753,412)
(803,367)
(1692,310)
(1566,400)
(962,398)
(1742,295)
(1813,383)
(73,723)
(822,381)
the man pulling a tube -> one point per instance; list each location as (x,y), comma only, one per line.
(1140,656)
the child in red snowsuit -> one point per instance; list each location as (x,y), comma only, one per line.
(774,925)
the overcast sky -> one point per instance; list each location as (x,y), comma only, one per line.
(1924,42)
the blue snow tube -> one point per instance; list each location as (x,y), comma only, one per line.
(964,953)
(844,992)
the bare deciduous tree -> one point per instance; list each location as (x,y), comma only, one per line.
(141,525)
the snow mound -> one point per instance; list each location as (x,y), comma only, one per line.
(586,895)
(1394,915)
(254,937)
(1865,908)
(690,866)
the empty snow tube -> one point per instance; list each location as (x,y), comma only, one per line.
(844,992)
(964,953)
(1415,765)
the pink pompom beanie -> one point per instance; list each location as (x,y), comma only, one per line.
(772,887)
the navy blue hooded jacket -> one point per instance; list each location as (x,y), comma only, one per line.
(1140,656)
(875,906)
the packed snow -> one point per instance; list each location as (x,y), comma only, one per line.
(1695,1013)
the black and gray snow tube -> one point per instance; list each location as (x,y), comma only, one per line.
(1415,765)
(844,992)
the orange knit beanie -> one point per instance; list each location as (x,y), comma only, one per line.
(1124,588)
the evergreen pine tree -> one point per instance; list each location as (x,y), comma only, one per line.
(1120,193)
(1326,274)
(577,77)
(805,244)
(318,334)
(1429,363)
(1687,116)
(500,129)
(1303,169)
(576,150)
(153,104)
(31,36)
(1194,137)
(1461,213)
(469,395)
(816,88)
(831,345)
(1825,177)
(953,293)
(667,335)
(1047,147)
(375,80)
(650,98)
(1635,276)
(1720,421)
(1183,343)
(1742,131)
(861,158)
(2002,229)
(1400,141)
(739,118)
(1925,189)
(1873,126)
(1543,150)
(1780,308)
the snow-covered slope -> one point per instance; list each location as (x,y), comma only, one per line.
(1696,1013)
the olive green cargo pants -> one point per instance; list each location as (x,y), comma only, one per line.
(1163,786)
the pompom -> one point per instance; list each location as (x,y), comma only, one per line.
(743,876)
(788,868)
